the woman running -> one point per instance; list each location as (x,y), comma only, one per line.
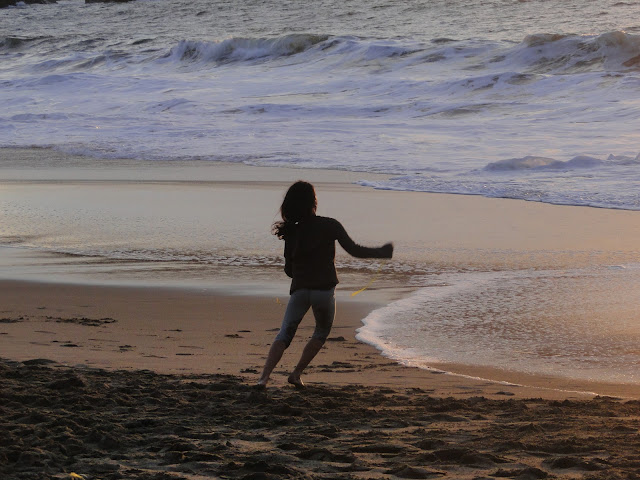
(309,253)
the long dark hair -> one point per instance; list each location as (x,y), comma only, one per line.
(299,204)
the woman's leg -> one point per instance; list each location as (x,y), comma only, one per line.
(323,303)
(275,354)
(311,349)
(297,307)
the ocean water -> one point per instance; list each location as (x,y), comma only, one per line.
(522,99)
(579,324)
(528,99)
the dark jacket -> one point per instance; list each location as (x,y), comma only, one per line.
(310,250)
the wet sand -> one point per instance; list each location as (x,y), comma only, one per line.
(151,382)
(186,331)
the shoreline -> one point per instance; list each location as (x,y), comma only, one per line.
(144,370)
(433,233)
(195,332)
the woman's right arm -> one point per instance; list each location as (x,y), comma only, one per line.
(352,248)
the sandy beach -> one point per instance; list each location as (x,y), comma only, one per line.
(145,151)
(110,378)
(60,422)
(145,383)
(103,382)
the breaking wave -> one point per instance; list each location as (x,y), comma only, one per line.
(543,53)
(445,110)
(555,53)
(537,53)
(14,43)
(244,49)
(532,162)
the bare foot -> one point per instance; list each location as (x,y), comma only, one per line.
(294,380)
(261,384)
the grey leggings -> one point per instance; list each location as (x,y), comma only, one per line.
(323,303)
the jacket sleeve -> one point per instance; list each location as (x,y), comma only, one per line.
(352,248)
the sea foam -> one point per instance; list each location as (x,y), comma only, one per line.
(476,112)
(531,162)
(533,322)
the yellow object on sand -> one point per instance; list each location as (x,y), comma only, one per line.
(375,277)
(76,476)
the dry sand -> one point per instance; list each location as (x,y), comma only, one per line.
(58,421)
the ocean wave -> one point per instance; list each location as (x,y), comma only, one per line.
(626,4)
(542,53)
(343,51)
(538,39)
(535,178)
(244,49)
(559,53)
(85,61)
(531,162)
(11,43)
(537,54)
(14,43)
(370,50)
(624,159)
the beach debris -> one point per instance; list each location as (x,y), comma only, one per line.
(12,320)
(505,393)
(87,322)
(39,361)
